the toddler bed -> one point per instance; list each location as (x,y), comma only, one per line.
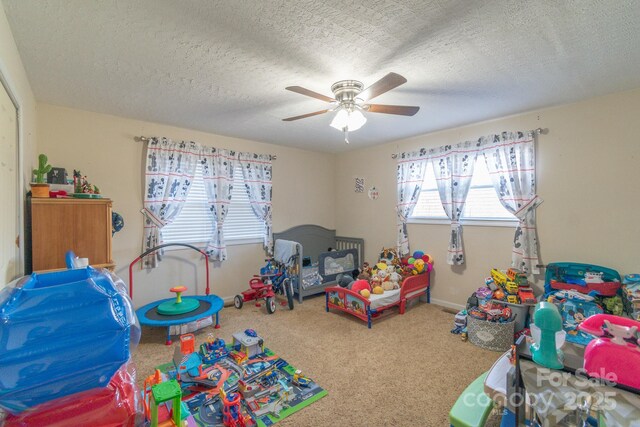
(345,300)
(323,266)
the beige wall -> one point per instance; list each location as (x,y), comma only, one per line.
(102,147)
(588,176)
(14,76)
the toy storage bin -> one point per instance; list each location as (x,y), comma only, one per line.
(520,310)
(490,335)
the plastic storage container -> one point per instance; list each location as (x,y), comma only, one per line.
(521,311)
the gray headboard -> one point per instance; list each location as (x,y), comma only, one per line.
(313,238)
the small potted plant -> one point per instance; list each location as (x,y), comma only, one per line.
(40,188)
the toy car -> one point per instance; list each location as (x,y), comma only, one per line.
(498,314)
(460,319)
(511,287)
(300,380)
(498,276)
(517,276)
(499,294)
(526,295)
(513,299)
(477,314)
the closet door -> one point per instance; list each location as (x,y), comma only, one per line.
(9,212)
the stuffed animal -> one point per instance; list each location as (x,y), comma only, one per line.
(365,293)
(379,266)
(389,256)
(418,266)
(366,268)
(364,276)
(344,280)
(359,285)
(376,281)
(395,279)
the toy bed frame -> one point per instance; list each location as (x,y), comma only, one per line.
(355,304)
(314,241)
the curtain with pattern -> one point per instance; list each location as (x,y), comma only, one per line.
(256,171)
(511,160)
(217,173)
(453,168)
(169,171)
(410,174)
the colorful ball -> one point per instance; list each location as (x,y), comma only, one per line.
(418,254)
(411,260)
(427,258)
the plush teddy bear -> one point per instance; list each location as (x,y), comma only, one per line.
(366,268)
(376,281)
(364,276)
(387,285)
(385,281)
(395,279)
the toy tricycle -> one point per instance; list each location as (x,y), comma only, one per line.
(273,278)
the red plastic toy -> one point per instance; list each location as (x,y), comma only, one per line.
(273,278)
(231,412)
(605,289)
(258,289)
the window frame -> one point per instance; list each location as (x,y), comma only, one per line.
(228,242)
(473,221)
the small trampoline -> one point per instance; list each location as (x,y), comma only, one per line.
(182,309)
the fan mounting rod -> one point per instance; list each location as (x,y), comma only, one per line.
(345,92)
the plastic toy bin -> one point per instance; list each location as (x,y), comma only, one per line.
(492,336)
(521,311)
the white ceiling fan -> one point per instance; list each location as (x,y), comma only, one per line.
(350,101)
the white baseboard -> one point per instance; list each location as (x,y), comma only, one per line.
(447,304)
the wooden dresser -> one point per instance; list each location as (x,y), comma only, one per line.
(59,225)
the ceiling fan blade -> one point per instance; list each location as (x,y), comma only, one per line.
(402,110)
(307,92)
(385,84)
(304,116)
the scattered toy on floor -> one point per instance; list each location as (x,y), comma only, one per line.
(235,385)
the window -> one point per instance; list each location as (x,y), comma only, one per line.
(482,205)
(194,224)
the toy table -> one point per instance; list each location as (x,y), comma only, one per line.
(539,381)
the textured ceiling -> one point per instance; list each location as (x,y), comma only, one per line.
(222,66)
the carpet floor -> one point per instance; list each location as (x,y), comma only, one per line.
(408,370)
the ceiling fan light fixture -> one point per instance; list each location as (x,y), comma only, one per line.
(351,120)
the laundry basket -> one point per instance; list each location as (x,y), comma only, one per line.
(493,336)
